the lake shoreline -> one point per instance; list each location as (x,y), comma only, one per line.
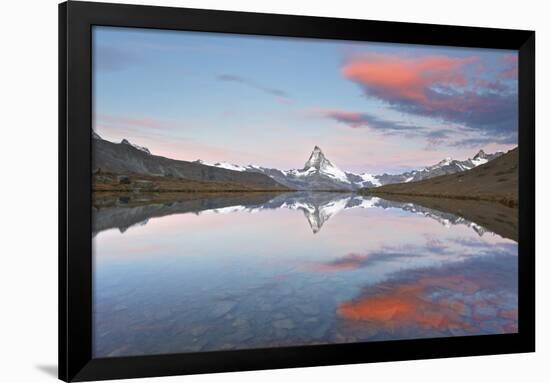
(507,201)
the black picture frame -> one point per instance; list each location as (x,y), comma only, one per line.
(75,249)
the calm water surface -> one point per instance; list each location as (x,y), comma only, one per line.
(250,271)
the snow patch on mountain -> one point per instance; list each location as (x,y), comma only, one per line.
(479,161)
(370,178)
(227,165)
(334,172)
(230,166)
(299,172)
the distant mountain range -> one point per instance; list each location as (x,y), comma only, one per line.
(318,172)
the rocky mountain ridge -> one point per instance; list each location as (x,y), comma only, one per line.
(318,172)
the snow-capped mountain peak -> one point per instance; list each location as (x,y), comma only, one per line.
(142,148)
(317,159)
(319,173)
(318,163)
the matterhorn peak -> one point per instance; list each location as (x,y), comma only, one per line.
(317,159)
(319,164)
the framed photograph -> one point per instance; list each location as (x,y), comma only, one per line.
(245,191)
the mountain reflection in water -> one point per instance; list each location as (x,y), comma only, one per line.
(195,272)
(317,207)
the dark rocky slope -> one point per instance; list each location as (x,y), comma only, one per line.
(126,159)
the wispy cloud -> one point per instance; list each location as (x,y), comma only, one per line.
(366,120)
(438,137)
(281,94)
(355,261)
(434,136)
(476,142)
(109,58)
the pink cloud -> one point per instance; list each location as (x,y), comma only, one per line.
(352,119)
(351,261)
(358,120)
(442,87)
(401,78)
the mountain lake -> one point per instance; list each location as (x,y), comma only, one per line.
(241,271)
